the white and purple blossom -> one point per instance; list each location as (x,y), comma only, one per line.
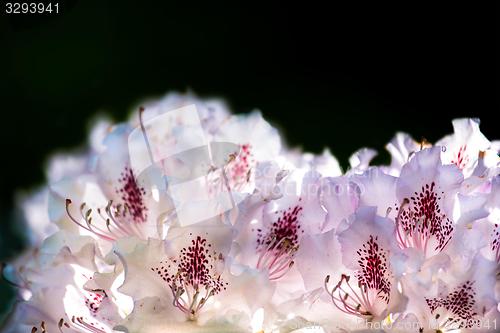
(187,218)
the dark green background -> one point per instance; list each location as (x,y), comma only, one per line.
(339,76)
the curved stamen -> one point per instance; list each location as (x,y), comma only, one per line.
(278,245)
(373,279)
(144,133)
(62,323)
(112,217)
(114,227)
(87,217)
(192,275)
(350,303)
(80,323)
(88,228)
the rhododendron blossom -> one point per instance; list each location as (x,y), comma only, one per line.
(188,218)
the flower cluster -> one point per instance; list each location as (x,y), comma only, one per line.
(188,218)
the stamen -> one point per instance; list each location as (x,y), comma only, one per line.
(193,277)
(82,324)
(277,247)
(373,283)
(112,227)
(86,227)
(62,323)
(146,139)
(420,220)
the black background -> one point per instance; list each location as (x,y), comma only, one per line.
(337,75)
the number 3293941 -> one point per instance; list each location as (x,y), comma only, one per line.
(31,8)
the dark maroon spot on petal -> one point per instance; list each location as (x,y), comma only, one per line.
(374,273)
(132,196)
(457,309)
(278,243)
(461,159)
(495,242)
(421,219)
(94,299)
(192,276)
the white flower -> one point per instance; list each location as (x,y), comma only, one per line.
(61,290)
(258,142)
(270,233)
(462,148)
(426,192)
(367,247)
(190,280)
(401,147)
(187,218)
(212,112)
(454,298)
